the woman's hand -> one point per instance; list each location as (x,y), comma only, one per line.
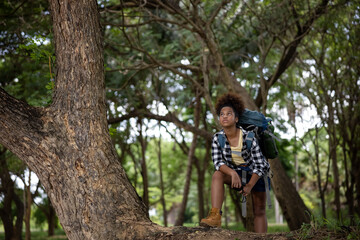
(235,180)
(246,190)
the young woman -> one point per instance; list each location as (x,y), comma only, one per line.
(229,166)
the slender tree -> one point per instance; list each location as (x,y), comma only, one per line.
(10,198)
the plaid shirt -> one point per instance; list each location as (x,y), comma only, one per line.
(253,158)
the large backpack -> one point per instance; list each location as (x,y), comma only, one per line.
(260,127)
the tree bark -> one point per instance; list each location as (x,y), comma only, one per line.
(293,207)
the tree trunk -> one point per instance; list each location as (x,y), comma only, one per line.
(278,215)
(181,216)
(144,171)
(236,199)
(318,173)
(19,218)
(333,156)
(293,208)
(162,198)
(51,219)
(9,196)
(27,203)
(354,179)
(224,75)
(201,170)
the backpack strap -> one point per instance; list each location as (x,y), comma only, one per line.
(248,140)
(272,135)
(222,140)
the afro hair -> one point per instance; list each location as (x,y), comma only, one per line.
(230,100)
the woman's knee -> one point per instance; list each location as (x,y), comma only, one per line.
(260,210)
(218,176)
(259,203)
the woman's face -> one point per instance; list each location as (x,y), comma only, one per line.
(227,117)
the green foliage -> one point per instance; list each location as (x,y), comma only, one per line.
(27,54)
(334,228)
(38,49)
(112,131)
(40,218)
(42,235)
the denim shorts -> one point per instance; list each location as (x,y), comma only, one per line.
(260,184)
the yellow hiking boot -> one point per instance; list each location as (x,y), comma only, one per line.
(213,219)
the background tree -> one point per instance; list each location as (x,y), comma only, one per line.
(10,197)
(329,59)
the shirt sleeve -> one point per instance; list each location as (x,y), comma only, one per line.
(260,165)
(216,153)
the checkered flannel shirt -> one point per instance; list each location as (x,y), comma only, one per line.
(253,158)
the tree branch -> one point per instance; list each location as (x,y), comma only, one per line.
(216,11)
(289,52)
(169,117)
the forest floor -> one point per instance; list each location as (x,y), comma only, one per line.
(307,232)
(203,233)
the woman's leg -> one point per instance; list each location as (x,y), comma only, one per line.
(259,208)
(217,188)
(217,198)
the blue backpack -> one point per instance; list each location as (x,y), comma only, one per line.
(260,127)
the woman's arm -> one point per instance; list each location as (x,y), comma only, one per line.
(260,165)
(235,179)
(253,180)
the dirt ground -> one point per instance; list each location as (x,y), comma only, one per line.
(202,233)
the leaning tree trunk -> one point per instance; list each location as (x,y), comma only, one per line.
(293,207)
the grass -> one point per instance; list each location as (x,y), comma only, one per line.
(42,235)
(272,228)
